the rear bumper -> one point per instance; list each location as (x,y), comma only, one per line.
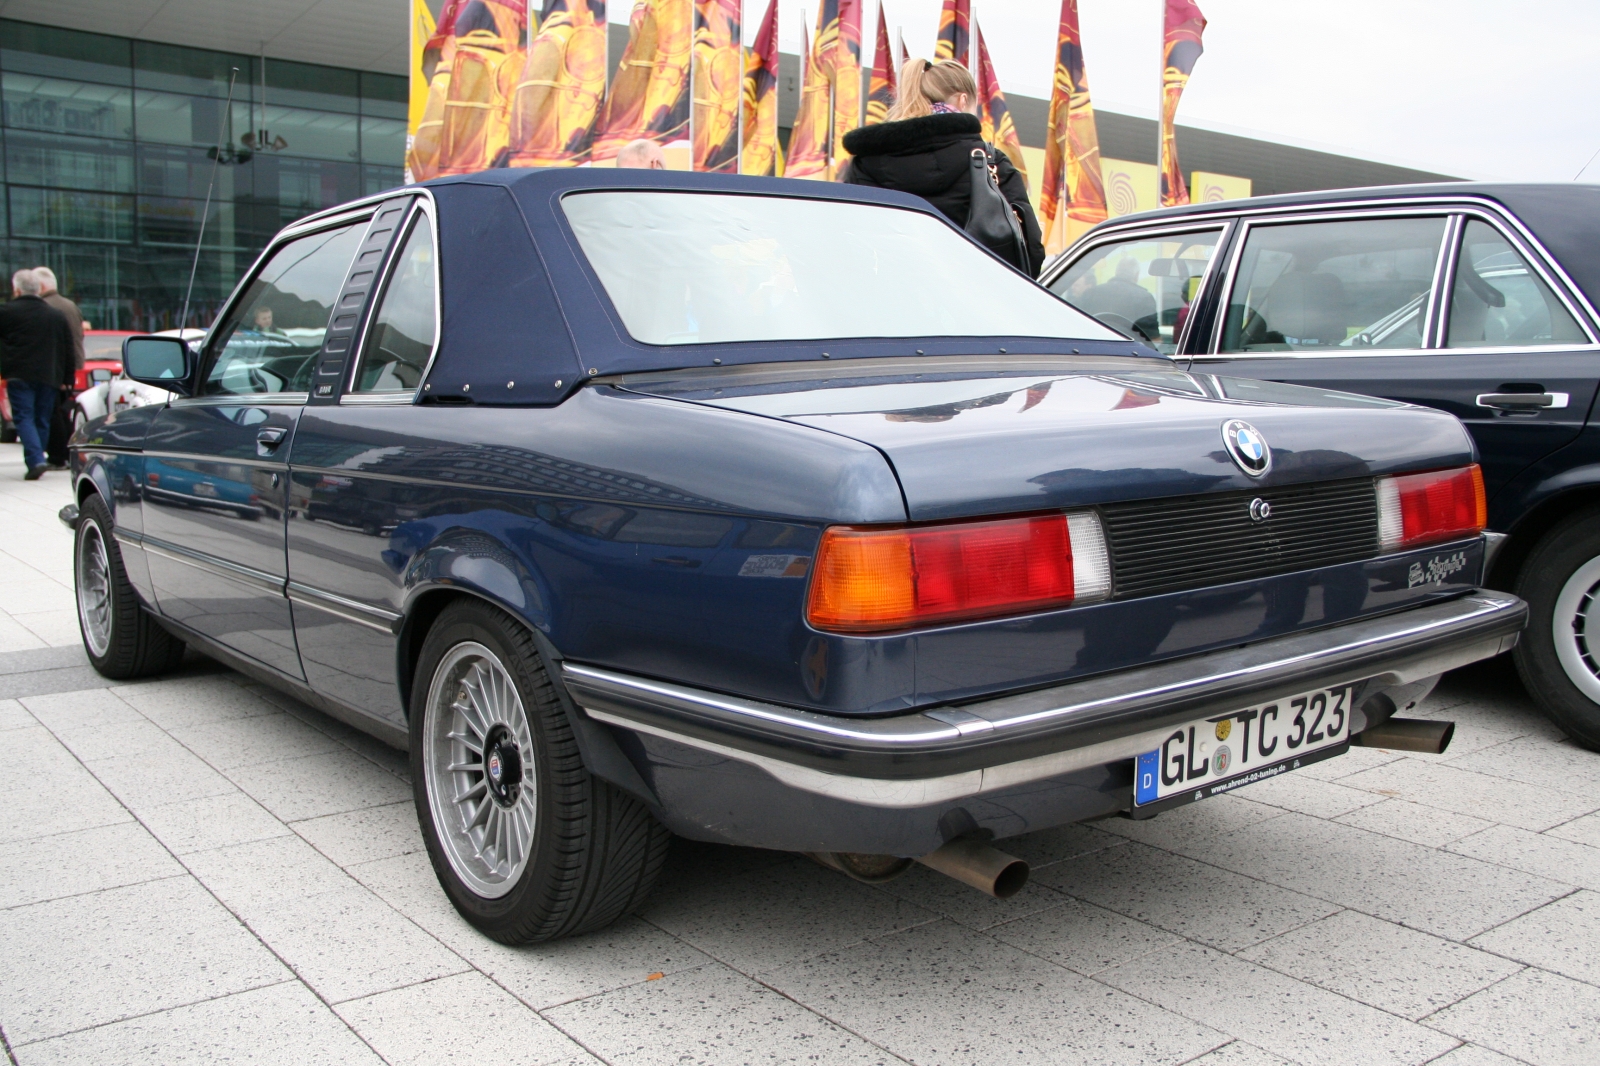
(950,754)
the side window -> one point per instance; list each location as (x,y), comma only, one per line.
(272,335)
(1141,287)
(402,334)
(1331,287)
(1497,299)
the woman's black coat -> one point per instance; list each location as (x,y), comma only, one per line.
(931,157)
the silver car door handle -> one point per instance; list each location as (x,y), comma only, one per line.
(1511,401)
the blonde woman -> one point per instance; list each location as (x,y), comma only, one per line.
(925,148)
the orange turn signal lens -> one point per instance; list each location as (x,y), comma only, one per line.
(876,579)
(1440,505)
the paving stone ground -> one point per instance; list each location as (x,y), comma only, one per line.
(198,870)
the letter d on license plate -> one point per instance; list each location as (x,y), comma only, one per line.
(1223,752)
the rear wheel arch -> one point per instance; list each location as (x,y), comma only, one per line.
(1531,529)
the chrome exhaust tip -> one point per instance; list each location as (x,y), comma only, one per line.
(1407,734)
(975,863)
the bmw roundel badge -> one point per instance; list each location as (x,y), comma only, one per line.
(1247,446)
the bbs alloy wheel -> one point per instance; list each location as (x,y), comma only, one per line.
(482,790)
(527,844)
(121,639)
(1559,654)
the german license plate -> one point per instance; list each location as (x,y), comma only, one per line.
(1218,754)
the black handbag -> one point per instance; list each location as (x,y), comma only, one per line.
(991,221)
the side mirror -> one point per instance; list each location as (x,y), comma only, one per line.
(164,362)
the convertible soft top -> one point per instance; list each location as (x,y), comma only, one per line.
(526,319)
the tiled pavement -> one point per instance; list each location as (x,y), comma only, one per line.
(198,870)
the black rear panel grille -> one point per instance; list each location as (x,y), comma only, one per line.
(1190,542)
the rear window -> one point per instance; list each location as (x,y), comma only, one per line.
(696,268)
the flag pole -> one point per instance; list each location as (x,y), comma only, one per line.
(216,161)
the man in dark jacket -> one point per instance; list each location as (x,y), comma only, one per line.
(930,156)
(61,423)
(36,363)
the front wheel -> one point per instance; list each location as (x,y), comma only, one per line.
(120,637)
(1559,654)
(525,842)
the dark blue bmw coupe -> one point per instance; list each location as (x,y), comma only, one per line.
(762,512)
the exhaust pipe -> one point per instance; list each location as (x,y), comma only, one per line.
(975,863)
(1407,734)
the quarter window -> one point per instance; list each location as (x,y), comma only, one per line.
(1142,287)
(1498,300)
(1333,287)
(402,334)
(271,337)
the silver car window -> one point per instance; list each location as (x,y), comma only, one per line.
(1497,299)
(1334,287)
(1142,287)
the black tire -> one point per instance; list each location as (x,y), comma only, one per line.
(135,645)
(595,852)
(1558,655)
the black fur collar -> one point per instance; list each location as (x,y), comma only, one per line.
(910,134)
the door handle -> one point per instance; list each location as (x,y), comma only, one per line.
(1523,401)
(269,438)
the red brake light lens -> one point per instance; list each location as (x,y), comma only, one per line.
(1440,505)
(872,580)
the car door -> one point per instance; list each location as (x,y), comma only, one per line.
(1440,307)
(216,470)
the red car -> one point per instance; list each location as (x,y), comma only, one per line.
(102,361)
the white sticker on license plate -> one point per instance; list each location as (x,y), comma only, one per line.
(1225,751)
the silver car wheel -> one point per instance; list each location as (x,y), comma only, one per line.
(481,776)
(94,589)
(1575,627)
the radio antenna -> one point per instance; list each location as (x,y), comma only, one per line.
(216,161)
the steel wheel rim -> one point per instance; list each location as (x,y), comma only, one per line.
(474,709)
(1575,627)
(94,589)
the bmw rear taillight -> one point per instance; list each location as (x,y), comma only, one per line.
(1416,509)
(877,579)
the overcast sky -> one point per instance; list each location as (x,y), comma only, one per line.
(1471,88)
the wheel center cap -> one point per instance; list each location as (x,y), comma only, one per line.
(502,766)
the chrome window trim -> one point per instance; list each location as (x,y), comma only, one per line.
(378,399)
(422,204)
(1453,213)
(1534,254)
(244,399)
(1224,229)
(1496,212)
(1443,268)
(303,228)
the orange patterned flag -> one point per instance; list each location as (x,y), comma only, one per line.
(562,86)
(953,42)
(718,85)
(650,93)
(1181,47)
(998,128)
(760,153)
(808,141)
(844,70)
(1072,197)
(881,90)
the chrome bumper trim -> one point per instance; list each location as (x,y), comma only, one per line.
(948,753)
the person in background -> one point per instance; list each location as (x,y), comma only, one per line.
(61,421)
(925,148)
(36,363)
(1122,295)
(642,154)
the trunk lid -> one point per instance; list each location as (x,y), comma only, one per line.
(983,436)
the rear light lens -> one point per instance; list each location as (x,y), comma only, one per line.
(1440,505)
(873,580)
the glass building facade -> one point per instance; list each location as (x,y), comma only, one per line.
(110,144)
